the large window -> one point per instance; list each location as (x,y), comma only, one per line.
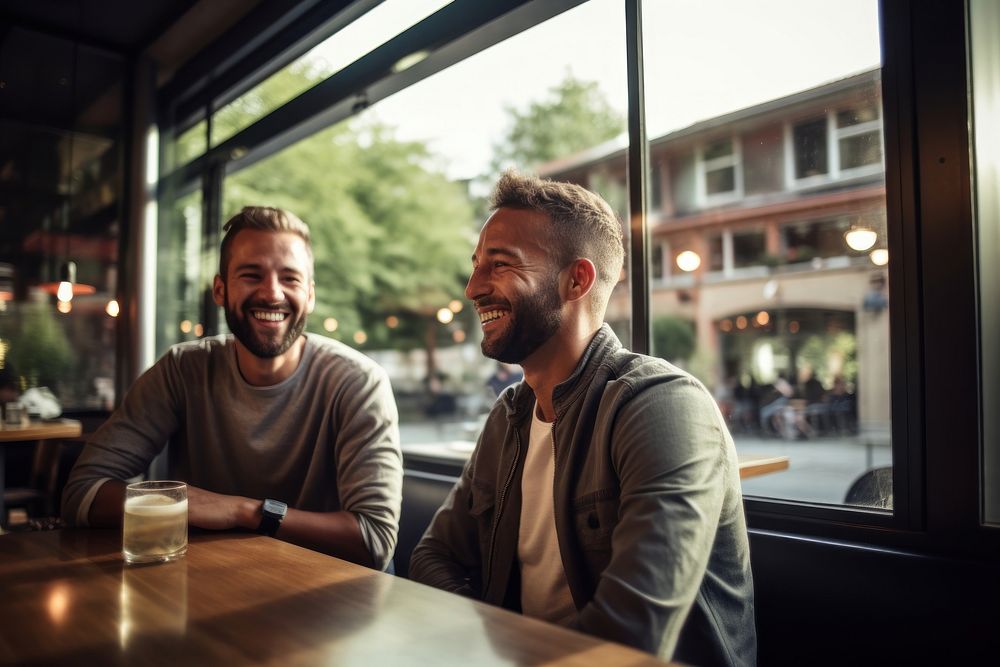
(985,63)
(60,207)
(788,320)
(769,237)
(184,278)
(395,196)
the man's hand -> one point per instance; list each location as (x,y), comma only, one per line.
(215,511)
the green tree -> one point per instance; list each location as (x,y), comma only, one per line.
(391,234)
(38,349)
(572,117)
(673,338)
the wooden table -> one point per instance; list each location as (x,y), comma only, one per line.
(35,431)
(240,599)
(752,465)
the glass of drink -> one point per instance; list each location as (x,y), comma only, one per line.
(155,526)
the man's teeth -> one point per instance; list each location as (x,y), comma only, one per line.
(491,315)
(269,317)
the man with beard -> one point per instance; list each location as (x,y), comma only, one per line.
(290,434)
(603,494)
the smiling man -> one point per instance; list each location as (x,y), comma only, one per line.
(603,494)
(290,434)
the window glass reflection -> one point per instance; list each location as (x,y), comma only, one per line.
(395,197)
(772,162)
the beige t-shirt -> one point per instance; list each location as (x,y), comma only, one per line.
(544,591)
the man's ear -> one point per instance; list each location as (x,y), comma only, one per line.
(581,276)
(219,291)
(311,303)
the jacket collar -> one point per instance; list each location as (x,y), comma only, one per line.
(519,400)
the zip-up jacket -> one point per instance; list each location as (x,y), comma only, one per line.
(648,510)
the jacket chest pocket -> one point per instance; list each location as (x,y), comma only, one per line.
(596,516)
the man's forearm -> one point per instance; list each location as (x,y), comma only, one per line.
(334,533)
(108,505)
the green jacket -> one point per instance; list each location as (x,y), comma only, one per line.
(648,510)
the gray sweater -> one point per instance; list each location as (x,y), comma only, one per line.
(325,439)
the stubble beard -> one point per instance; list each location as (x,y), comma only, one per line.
(238,320)
(537,318)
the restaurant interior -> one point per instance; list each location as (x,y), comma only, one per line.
(130,131)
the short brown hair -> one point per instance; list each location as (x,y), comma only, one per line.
(263,218)
(583,225)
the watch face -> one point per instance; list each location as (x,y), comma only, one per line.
(275,507)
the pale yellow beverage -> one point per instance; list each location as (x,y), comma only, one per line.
(155,527)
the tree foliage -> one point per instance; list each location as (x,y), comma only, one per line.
(572,117)
(38,348)
(673,338)
(391,234)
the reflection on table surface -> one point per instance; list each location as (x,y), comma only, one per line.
(247,599)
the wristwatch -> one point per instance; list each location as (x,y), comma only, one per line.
(273,511)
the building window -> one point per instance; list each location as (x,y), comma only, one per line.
(859,140)
(733,250)
(717,252)
(809,145)
(748,248)
(821,239)
(656,187)
(718,171)
(659,268)
(805,241)
(844,142)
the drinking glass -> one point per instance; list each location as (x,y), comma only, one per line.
(155,526)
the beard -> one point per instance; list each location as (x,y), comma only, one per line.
(533,321)
(238,320)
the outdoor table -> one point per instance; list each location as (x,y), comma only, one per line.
(240,599)
(35,431)
(752,465)
(458,452)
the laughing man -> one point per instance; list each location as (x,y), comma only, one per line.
(603,494)
(290,434)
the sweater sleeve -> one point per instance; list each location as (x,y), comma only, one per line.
(369,461)
(128,442)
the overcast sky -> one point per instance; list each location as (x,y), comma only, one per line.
(703,58)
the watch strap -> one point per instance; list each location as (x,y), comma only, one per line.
(272,512)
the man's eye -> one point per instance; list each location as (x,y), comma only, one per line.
(500,264)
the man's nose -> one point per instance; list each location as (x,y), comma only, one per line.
(270,289)
(476,287)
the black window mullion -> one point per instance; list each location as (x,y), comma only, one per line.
(638,169)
